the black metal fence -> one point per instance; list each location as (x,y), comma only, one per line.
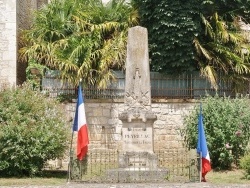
(173,165)
(162,87)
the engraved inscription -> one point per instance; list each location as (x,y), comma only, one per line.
(139,139)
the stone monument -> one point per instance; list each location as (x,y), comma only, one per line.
(137,161)
(137,118)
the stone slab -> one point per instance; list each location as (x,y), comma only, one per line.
(137,175)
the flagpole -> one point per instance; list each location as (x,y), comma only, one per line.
(202,149)
(70,157)
(200,153)
(200,166)
(80,126)
(70,150)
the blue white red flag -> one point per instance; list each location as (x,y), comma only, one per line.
(80,126)
(202,147)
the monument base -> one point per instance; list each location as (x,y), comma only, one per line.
(138,160)
(129,175)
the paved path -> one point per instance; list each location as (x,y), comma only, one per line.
(141,185)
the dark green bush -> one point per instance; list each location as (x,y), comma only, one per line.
(32,131)
(245,164)
(226,124)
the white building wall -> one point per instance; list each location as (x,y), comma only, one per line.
(8,43)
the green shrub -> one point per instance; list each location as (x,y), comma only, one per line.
(226,124)
(32,131)
(245,164)
(34,73)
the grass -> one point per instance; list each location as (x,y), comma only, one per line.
(55,178)
(227,177)
(31,181)
(48,178)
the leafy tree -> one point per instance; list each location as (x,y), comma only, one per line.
(221,47)
(219,51)
(32,131)
(226,124)
(81,38)
(228,10)
(197,35)
(171,26)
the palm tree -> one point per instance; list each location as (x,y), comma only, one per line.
(221,52)
(84,39)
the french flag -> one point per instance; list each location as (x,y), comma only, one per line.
(202,148)
(80,126)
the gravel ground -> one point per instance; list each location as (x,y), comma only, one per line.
(141,185)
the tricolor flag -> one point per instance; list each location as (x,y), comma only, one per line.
(202,148)
(80,126)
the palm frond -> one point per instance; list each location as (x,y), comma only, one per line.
(208,28)
(210,73)
(241,68)
(200,50)
(222,31)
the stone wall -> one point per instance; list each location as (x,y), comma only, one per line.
(15,15)
(105,127)
(40,3)
(8,43)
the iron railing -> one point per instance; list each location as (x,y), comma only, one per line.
(174,165)
(162,87)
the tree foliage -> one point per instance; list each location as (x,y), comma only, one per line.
(197,35)
(84,39)
(226,124)
(221,47)
(228,10)
(32,131)
(220,51)
(171,26)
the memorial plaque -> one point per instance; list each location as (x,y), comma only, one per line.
(137,139)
